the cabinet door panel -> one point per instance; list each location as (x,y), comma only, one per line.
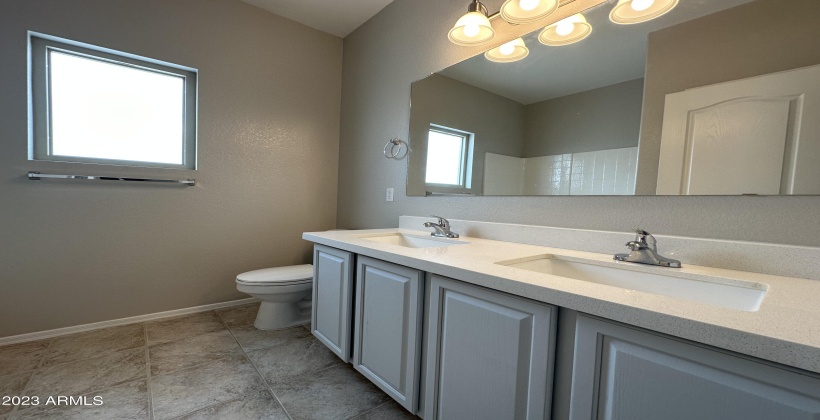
(387,333)
(625,373)
(490,355)
(333,298)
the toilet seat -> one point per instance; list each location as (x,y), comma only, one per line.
(277,276)
(284,293)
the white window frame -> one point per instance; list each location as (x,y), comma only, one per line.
(40,139)
(465,165)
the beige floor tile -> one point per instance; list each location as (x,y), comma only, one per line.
(127,401)
(12,385)
(182,392)
(198,372)
(239,315)
(178,355)
(81,377)
(336,393)
(251,338)
(184,327)
(281,363)
(90,344)
(258,406)
(21,357)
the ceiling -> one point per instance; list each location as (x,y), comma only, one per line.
(612,54)
(336,17)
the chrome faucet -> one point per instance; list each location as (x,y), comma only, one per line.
(442,228)
(645,251)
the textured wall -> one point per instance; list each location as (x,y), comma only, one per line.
(79,252)
(407,41)
(749,40)
(598,119)
(444,101)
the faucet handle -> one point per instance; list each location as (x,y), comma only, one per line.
(442,221)
(636,245)
(646,239)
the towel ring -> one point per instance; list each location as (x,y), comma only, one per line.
(393,149)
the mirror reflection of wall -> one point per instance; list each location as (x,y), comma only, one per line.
(588,118)
(444,102)
(594,137)
(580,144)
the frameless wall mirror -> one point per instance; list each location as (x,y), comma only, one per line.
(715,97)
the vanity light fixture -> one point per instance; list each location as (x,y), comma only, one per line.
(507,53)
(473,28)
(628,12)
(526,11)
(566,31)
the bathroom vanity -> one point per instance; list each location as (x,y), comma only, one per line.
(474,328)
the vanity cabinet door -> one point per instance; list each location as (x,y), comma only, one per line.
(333,298)
(621,372)
(489,355)
(387,328)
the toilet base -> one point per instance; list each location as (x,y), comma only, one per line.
(278,315)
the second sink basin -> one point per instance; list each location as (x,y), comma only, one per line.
(717,291)
(412,241)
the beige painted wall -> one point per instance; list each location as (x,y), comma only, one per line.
(407,41)
(443,101)
(750,40)
(78,252)
(598,119)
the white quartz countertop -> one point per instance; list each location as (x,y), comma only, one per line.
(786,328)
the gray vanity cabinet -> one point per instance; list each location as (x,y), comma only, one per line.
(333,298)
(489,355)
(387,327)
(622,372)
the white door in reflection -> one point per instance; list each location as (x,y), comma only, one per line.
(743,137)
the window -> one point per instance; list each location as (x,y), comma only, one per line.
(93,105)
(449,157)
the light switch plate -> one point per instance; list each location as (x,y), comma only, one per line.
(389,195)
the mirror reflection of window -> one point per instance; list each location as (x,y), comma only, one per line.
(449,157)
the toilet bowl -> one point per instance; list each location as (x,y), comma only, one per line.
(284,292)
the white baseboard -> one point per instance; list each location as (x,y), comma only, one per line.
(40,335)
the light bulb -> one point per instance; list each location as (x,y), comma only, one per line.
(641,5)
(565,27)
(507,48)
(471,30)
(528,4)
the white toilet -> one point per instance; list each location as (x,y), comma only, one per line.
(284,292)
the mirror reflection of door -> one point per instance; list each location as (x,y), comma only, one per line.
(743,137)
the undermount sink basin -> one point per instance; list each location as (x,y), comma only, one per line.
(717,291)
(412,241)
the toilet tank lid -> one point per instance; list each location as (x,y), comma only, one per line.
(278,274)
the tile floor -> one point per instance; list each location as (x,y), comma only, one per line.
(211,365)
